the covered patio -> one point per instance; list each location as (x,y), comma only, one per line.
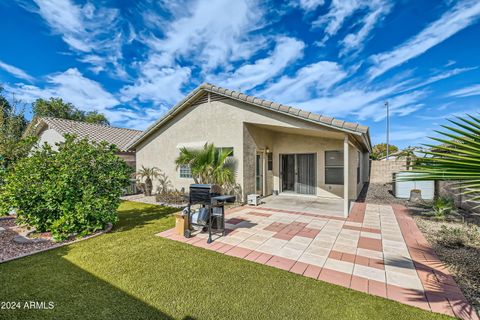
(308,204)
(378,250)
(310,169)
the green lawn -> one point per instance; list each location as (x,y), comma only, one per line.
(131,274)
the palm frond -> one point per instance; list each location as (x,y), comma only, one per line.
(457,158)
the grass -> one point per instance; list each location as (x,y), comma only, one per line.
(131,274)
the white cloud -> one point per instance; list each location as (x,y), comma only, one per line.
(341,10)
(200,36)
(93,32)
(344,102)
(400,105)
(307,82)
(71,86)
(378,9)
(249,76)
(214,33)
(444,75)
(16,72)
(338,12)
(358,100)
(161,85)
(461,16)
(473,90)
(308,5)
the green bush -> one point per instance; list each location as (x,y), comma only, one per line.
(73,191)
(442,207)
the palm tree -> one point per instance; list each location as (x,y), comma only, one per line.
(208,165)
(148,174)
(457,158)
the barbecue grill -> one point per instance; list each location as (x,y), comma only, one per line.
(212,211)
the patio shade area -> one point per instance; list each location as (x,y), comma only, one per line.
(305,204)
(378,250)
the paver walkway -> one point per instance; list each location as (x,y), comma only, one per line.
(378,250)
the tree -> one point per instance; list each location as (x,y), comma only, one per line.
(457,158)
(57,108)
(13,145)
(410,154)
(148,174)
(208,165)
(380,150)
(73,191)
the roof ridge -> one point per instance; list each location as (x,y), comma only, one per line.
(330,121)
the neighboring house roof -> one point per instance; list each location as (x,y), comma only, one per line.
(121,137)
(348,127)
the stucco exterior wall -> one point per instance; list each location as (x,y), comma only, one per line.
(50,137)
(230,123)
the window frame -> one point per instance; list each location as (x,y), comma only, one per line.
(337,166)
(270,161)
(185,172)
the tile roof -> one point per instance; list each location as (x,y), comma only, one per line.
(121,137)
(324,120)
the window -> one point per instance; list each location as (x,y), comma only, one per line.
(270,161)
(226,149)
(185,171)
(333,167)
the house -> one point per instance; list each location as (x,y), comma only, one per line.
(278,149)
(52,131)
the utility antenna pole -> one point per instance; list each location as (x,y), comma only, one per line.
(388,129)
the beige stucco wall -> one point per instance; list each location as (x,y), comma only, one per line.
(50,137)
(248,129)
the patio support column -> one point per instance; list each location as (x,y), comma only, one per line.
(264,177)
(345,176)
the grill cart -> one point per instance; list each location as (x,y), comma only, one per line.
(211,214)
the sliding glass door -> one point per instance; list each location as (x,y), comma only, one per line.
(298,173)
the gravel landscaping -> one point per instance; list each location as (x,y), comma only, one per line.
(463,261)
(15,243)
(10,249)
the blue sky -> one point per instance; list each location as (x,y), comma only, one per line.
(134,60)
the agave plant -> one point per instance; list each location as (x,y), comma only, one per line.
(208,165)
(457,158)
(148,174)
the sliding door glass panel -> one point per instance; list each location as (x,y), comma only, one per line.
(305,174)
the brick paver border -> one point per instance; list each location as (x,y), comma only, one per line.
(441,290)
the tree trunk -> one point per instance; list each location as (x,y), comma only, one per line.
(148,187)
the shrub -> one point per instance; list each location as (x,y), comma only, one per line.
(453,237)
(75,190)
(442,207)
(171,197)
